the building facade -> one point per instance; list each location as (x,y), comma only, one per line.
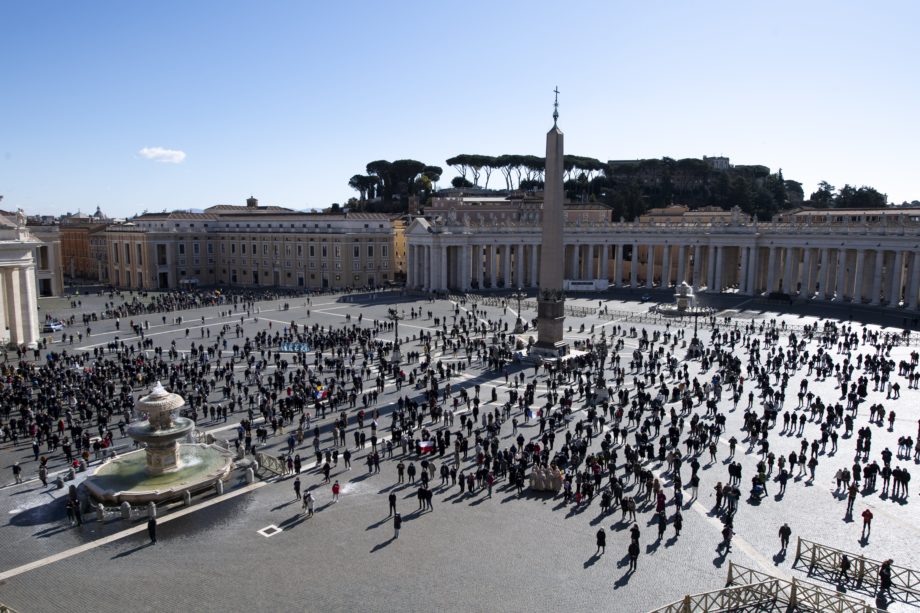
(83,252)
(497,245)
(251,246)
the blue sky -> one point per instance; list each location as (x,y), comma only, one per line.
(287,100)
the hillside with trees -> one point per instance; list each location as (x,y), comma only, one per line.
(628,187)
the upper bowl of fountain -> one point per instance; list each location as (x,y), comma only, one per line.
(159,405)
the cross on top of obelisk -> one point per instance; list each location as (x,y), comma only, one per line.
(556,106)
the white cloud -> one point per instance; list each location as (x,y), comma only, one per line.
(159,154)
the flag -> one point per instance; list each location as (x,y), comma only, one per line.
(426,446)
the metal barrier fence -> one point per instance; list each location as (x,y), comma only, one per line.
(803,595)
(271,463)
(821,559)
(746,587)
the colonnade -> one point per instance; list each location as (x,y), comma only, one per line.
(826,270)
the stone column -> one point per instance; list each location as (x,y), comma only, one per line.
(520,265)
(742,280)
(666,266)
(876,298)
(11,291)
(823,272)
(857,275)
(897,272)
(681,265)
(605,262)
(911,297)
(717,279)
(618,265)
(573,267)
(634,266)
(506,264)
(841,272)
(533,265)
(771,271)
(807,286)
(442,261)
(491,264)
(650,266)
(697,257)
(29,298)
(754,272)
(711,268)
(787,269)
(590,274)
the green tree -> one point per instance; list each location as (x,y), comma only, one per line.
(460,182)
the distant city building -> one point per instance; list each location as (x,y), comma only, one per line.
(83,250)
(717,162)
(251,246)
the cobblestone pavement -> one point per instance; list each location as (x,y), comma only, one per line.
(507,553)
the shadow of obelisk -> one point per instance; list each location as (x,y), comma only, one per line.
(551,299)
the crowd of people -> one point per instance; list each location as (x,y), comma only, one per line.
(629,421)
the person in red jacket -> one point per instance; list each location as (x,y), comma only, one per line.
(335,491)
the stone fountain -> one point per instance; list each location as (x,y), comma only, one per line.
(684,304)
(165,468)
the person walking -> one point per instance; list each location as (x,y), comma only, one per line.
(392,499)
(397,524)
(867,523)
(784,533)
(297,488)
(152,530)
(335,491)
(884,578)
(17,472)
(308,503)
(633,552)
(601,541)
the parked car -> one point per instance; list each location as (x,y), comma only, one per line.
(52,326)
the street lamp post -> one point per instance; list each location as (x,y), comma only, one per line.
(395,356)
(519,324)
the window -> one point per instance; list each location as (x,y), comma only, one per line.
(210,248)
(264,248)
(140,258)
(300,251)
(357,252)
(324,251)
(242,248)
(312,251)
(383,251)
(370,251)
(181,248)
(128,256)
(161,255)
(115,256)
(338,251)
(196,248)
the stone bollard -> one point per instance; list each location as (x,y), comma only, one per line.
(71,474)
(250,475)
(59,482)
(187,498)
(100,513)
(219,487)
(152,510)
(125,511)
(82,465)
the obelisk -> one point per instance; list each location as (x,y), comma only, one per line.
(551,300)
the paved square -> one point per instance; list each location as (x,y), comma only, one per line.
(511,551)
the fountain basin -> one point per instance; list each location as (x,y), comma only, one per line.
(127,479)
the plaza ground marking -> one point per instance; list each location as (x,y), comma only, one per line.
(63,555)
(269,531)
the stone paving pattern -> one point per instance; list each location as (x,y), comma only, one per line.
(507,553)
